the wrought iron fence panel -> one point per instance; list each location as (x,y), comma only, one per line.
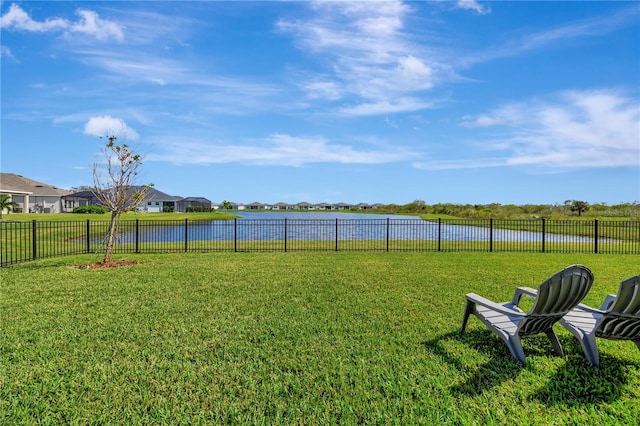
(22,241)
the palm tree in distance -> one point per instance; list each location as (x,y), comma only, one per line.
(7,203)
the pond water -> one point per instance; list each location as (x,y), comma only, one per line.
(328,226)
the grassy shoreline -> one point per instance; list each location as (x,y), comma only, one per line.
(309,338)
(71,217)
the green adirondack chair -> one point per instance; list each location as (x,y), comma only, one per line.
(617,319)
(554,298)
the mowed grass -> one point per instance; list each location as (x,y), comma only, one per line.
(297,338)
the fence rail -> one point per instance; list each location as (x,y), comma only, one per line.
(24,241)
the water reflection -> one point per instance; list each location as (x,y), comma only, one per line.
(325,226)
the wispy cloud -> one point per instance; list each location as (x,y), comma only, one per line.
(276,150)
(574,129)
(369,60)
(589,27)
(595,26)
(134,66)
(88,23)
(474,5)
(383,107)
(5,52)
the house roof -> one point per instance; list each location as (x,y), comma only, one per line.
(155,195)
(195,199)
(16,183)
(152,194)
(82,194)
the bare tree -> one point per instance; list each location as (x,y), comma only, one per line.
(114,185)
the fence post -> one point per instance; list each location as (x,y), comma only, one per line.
(88,236)
(491,235)
(595,236)
(439,233)
(137,235)
(34,240)
(388,224)
(235,235)
(186,235)
(336,234)
(285,234)
(544,227)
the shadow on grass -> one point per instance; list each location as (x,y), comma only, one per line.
(501,366)
(575,381)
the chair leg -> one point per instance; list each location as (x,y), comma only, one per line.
(468,310)
(588,342)
(515,346)
(555,342)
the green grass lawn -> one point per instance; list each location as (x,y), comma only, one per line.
(297,338)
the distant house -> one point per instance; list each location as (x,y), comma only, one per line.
(281,206)
(342,206)
(199,202)
(231,206)
(256,206)
(304,206)
(323,206)
(154,201)
(32,196)
(79,199)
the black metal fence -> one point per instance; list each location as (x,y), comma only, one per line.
(23,241)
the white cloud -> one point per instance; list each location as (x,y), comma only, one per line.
(89,23)
(385,107)
(5,52)
(461,164)
(584,28)
(276,150)
(574,129)
(18,19)
(106,125)
(322,90)
(590,27)
(473,5)
(481,121)
(503,116)
(370,61)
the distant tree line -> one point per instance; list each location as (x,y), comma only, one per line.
(499,211)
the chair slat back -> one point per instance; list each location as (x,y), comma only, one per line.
(622,321)
(556,296)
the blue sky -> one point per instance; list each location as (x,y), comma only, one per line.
(442,101)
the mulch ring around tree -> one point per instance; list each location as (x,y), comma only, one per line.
(110,264)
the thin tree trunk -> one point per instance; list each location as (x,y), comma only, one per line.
(111,237)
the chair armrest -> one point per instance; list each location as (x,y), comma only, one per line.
(526,291)
(586,308)
(608,302)
(479,300)
(606,305)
